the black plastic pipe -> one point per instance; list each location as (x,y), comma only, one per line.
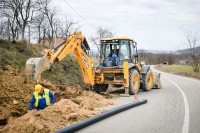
(92,120)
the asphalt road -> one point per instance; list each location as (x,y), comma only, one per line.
(173,109)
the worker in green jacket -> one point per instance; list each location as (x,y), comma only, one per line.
(41,98)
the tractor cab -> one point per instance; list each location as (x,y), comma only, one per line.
(114,51)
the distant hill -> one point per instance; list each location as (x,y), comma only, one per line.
(156,51)
(182,51)
(187,51)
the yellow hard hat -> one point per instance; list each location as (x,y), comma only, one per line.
(38,88)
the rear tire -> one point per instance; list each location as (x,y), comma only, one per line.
(147,81)
(134,81)
(98,88)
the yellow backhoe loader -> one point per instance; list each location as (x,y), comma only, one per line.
(122,70)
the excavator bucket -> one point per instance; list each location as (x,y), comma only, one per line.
(156,81)
(34,68)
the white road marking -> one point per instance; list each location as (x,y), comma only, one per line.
(186,119)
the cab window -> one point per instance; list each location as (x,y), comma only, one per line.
(124,51)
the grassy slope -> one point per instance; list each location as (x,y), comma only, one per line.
(66,72)
(179,68)
(16,54)
(185,70)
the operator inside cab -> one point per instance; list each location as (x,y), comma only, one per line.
(113,56)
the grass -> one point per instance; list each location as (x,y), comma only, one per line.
(185,70)
(66,72)
(17,53)
(179,68)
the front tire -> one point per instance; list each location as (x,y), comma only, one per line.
(134,81)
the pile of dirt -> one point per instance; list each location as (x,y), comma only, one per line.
(61,114)
(86,99)
(15,94)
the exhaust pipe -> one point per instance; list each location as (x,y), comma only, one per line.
(94,119)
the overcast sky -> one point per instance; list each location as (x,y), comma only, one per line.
(153,24)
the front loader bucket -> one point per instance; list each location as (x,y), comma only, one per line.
(156,81)
(35,67)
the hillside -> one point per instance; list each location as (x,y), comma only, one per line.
(64,79)
(188,50)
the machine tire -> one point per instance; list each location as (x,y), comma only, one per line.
(98,88)
(134,81)
(147,81)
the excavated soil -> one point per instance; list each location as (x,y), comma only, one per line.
(73,104)
(61,114)
(14,94)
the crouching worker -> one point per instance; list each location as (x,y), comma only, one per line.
(41,98)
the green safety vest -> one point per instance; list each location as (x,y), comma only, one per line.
(45,95)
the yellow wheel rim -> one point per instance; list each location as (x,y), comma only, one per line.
(135,82)
(150,79)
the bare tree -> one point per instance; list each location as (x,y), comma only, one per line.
(20,15)
(3,26)
(19,12)
(50,15)
(26,9)
(9,12)
(142,54)
(38,21)
(193,43)
(57,28)
(101,33)
(69,27)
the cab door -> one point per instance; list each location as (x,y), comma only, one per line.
(124,51)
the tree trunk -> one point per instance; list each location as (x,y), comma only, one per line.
(29,33)
(23,32)
(13,37)
(39,34)
(8,30)
(51,36)
(17,33)
(44,32)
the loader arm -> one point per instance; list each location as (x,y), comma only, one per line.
(73,44)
